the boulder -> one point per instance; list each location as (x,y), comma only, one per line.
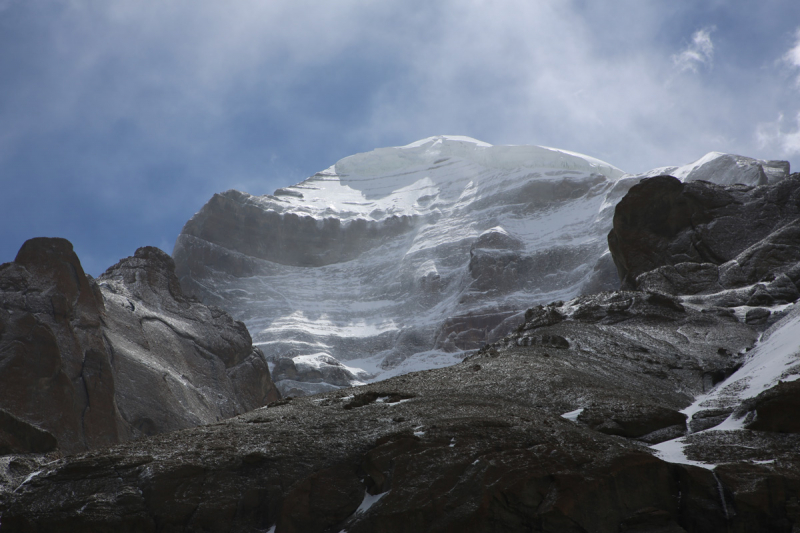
(633,422)
(177,363)
(777,409)
(687,238)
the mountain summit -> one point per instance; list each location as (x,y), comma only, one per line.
(405,258)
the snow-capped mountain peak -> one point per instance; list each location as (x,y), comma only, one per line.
(402,258)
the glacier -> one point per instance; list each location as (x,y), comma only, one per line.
(407,258)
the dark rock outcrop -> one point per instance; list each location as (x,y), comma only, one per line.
(95,362)
(55,371)
(18,436)
(688,238)
(776,409)
(632,422)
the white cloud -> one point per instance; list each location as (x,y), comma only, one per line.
(781,136)
(792,57)
(564,73)
(699,52)
(778,137)
(134,106)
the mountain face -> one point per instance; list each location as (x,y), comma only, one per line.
(637,410)
(405,258)
(89,363)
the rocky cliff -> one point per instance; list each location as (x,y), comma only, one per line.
(88,363)
(406,258)
(635,410)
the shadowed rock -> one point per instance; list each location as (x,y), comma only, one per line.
(93,364)
(55,371)
(688,238)
(776,409)
(17,436)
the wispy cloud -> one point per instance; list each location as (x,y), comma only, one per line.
(135,113)
(700,52)
(779,136)
(792,57)
(783,136)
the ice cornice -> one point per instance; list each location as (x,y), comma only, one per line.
(433,152)
(439,139)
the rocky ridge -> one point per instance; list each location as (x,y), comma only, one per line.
(88,363)
(635,410)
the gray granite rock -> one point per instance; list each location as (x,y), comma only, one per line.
(96,362)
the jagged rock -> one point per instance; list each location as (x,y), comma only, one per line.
(56,373)
(94,362)
(18,436)
(177,363)
(776,409)
(686,238)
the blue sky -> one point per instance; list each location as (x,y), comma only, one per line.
(119,120)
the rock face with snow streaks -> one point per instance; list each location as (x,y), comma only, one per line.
(628,410)
(403,258)
(89,363)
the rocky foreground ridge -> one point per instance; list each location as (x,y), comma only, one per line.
(88,363)
(669,406)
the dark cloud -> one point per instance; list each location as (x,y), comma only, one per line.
(118,120)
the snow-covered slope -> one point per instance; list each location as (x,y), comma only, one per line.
(402,258)
(773,361)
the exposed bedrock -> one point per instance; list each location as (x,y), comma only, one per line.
(698,237)
(95,362)
(20,437)
(231,219)
(776,409)
(480,446)
(55,370)
(177,362)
